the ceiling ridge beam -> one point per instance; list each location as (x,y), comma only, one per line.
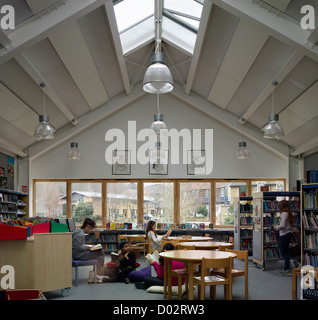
(64,134)
(110,13)
(31,70)
(290,64)
(202,31)
(12,147)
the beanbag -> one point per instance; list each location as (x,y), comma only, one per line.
(139,275)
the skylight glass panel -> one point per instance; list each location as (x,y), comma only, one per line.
(130,12)
(187,10)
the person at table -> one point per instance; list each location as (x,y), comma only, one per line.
(154,237)
(81,251)
(149,281)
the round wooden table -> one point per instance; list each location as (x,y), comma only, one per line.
(205,245)
(189,257)
(180,239)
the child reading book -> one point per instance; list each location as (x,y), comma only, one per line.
(154,237)
(125,264)
(149,281)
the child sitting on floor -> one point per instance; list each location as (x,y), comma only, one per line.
(149,281)
(125,264)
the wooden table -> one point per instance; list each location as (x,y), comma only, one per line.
(180,239)
(205,245)
(188,257)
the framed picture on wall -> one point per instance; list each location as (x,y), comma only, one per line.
(2,172)
(196,162)
(121,162)
(3,183)
(158,166)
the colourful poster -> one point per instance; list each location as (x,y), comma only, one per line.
(10,166)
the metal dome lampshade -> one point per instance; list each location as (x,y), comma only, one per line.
(74,152)
(242,152)
(43,129)
(273,129)
(158,78)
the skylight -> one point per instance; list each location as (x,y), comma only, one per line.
(136,25)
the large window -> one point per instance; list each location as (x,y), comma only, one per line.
(258,186)
(50,199)
(87,202)
(122,202)
(225,193)
(195,202)
(159,202)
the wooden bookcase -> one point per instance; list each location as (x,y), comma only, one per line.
(265,216)
(309,225)
(243,224)
(13,204)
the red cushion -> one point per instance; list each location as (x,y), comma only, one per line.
(137,265)
(110,265)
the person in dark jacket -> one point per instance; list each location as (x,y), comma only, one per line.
(81,251)
(125,264)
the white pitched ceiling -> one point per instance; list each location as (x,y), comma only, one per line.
(77,51)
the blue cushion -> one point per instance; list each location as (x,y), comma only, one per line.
(79,263)
(139,275)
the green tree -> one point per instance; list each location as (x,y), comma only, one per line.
(203,210)
(83,210)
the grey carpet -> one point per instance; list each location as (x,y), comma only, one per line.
(263,285)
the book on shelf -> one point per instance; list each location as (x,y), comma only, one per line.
(246,208)
(270,205)
(310,220)
(312,176)
(310,199)
(311,241)
(246,220)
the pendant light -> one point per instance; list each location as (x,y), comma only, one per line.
(158,78)
(158,123)
(44,130)
(274,129)
(74,152)
(157,155)
(242,152)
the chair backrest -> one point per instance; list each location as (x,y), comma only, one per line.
(186,237)
(216,263)
(221,248)
(138,239)
(187,247)
(240,254)
(231,240)
(149,250)
(122,237)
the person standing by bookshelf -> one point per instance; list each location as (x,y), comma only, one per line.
(285,229)
(153,236)
(81,251)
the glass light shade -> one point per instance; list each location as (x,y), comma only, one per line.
(273,129)
(74,153)
(158,78)
(157,155)
(242,152)
(43,129)
(158,123)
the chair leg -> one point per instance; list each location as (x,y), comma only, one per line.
(246,287)
(180,288)
(95,275)
(212,292)
(202,292)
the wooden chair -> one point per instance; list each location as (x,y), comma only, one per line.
(213,280)
(137,244)
(242,255)
(122,237)
(149,247)
(208,236)
(183,273)
(185,237)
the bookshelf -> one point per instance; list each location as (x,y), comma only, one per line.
(266,215)
(243,224)
(309,230)
(13,204)
(109,238)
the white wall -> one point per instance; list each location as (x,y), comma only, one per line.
(262,164)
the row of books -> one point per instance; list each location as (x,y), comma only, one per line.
(246,220)
(116,226)
(221,237)
(310,220)
(7,217)
(312,176)
(311,259)
(246,245)
(311,241)
(247,207)
(272,253)
(245,233)
(108,237)
(270,236)
(270,221)
(270,205)
(294,206)
(8,197)
(4,207)
(110,246)
(310,199)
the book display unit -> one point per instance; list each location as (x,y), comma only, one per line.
(13,204)
(265,216)
(309,230)
(243,224)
